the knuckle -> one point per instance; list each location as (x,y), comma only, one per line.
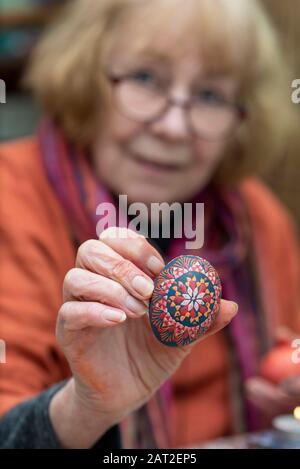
(140,245)
(86,315)
(121,268)
(89,312)
(110,232)
(119,292)
(86,249)
(62,316)
(119,232)
(71,279)
(133,234)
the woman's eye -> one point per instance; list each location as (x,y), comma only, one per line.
(146,78)
(210,96)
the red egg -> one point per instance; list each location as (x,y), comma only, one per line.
(278,365)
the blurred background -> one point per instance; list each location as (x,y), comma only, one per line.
(22,22)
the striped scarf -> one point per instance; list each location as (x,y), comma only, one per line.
(227,246)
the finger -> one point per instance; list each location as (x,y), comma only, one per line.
(83,285)
(75,315)
(134,247)
(98,257)
(228,310)
(268,396)
(261,395)
(292,386)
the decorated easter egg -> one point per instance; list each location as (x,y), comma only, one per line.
(185,300)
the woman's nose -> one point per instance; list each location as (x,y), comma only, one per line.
(173,124)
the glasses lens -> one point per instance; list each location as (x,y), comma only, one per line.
(213,121)
(139,101)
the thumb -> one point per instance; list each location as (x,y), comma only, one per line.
(228,310)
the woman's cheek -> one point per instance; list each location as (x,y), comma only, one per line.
(123,129)
(210,153)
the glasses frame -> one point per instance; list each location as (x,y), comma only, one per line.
(239,109)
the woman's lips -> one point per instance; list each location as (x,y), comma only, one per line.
(154,165)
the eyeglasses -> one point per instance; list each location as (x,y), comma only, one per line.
(210,115)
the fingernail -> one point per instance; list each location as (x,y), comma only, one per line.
(114,315)
(235,307)
(135,305)
(143,286)
(155,265)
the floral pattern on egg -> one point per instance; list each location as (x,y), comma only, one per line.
(185,301)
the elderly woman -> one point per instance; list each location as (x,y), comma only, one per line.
(163,101)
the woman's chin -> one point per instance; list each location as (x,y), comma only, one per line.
(153,195)
(148,197)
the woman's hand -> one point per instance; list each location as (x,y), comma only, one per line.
(272,399)
(275,399)
(103,329)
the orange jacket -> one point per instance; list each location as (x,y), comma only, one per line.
(36,251)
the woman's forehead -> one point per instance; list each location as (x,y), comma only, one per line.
(156,53)
(171,35)
(140,39)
